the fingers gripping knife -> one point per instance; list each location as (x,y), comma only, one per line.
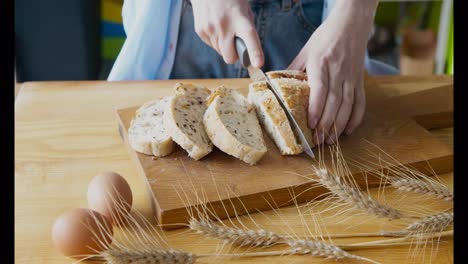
(257,74)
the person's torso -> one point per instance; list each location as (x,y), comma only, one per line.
(284,26)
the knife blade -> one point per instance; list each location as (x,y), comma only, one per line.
(257,74)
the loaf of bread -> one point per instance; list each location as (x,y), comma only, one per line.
(183,119)
(273,118)
(147,134)
(232,125)
(197,119)
(298,75)
(296,97)
(295,91)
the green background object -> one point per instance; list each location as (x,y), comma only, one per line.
(450,48)
(110,47)
(434,16)
(387,14)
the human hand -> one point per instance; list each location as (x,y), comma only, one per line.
(334,60)
(218,22)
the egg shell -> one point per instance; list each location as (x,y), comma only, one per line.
(77,232)
(110,194)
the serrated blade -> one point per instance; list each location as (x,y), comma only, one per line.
(257,74)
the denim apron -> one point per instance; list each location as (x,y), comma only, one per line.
(284,26)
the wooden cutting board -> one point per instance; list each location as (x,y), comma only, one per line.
(431,108)
(233,187)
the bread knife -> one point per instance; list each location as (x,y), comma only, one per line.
(257,74)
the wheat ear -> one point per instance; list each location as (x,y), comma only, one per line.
(240,237)
(353,196)
(427,226)
(264,238)
(321,249)
(432,223)
(125,256)
(435,189)
(405,178)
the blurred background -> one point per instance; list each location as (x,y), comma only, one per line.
(80,39)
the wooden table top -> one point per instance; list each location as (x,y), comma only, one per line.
(66,132)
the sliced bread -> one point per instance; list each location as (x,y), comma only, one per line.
(299,75)
(273,118)
(295,93)
(183,119)
(147,134)
(232,125)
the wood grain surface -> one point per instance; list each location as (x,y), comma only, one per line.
(431,108)
(65,133)
(222,177)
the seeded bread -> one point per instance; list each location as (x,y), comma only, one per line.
(183,119)
(146,134)
(273,118)
(233,127)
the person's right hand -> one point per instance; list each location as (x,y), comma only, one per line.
(334,60)
(218,22)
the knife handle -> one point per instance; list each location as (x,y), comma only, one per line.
(242,52)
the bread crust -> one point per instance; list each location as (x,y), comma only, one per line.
(222,137)
(273,118)
(159,145)
(290,74)
(192,99)
(296,96)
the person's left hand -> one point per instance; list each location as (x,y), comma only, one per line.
(334,60)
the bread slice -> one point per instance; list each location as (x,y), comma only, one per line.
(233,127)
(147,134)
(296,96)
(298,75)
(183,119)
(273,118)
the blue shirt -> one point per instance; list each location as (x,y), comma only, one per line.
(152,28)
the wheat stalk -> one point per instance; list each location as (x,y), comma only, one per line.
(405,178)
(355,197)
(264,238)
(339,180)
(430,188)
(319,249)
(428,226)
(397,241)
(237,236)
(142,243)
(432,223)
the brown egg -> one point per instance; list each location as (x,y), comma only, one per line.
(78,231)
(110,194)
